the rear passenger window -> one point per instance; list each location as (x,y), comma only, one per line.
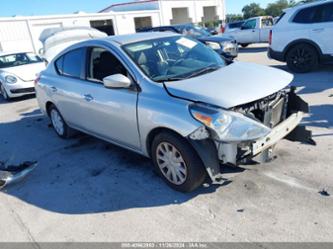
(326,13)
(317,14)
(305,15)
(72,64)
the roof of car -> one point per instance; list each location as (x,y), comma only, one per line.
(132,38)
(301,4)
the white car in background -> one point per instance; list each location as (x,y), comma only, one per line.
(18,72)
(303,36)
(55,40)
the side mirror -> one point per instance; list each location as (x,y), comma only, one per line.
(117,81)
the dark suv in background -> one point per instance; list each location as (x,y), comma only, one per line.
(225,46)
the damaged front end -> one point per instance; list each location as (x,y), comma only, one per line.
(259,126)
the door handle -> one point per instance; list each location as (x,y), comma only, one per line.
(318,30)
(88,97)
(53,89)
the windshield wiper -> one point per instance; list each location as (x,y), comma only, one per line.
(205,70)
(202,71)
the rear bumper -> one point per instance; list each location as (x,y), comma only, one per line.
(279,56)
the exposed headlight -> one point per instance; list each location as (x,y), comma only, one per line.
(230,126)
(213,45)
(10,79)
(228,46)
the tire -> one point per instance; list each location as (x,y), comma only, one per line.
(177,162)
(4,93)
(302,58)
(58,123)
(245,45)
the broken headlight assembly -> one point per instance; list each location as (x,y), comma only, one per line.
(229,126)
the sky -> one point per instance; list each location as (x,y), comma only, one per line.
(45,7)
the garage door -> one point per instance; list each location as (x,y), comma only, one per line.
(180,15)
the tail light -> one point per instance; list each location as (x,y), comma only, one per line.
(270,37)
(222,29)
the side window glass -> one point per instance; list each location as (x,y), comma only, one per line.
(250,24)
(266,22)
(59,65)
(73,64)
(103,63)
(305,15)
(327,13)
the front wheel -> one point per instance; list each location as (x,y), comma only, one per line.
(245,45)
(302,58)
(177,162)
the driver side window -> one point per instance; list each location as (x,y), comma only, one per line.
(103,63)
(250,24)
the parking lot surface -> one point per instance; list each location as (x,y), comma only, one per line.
(85,189)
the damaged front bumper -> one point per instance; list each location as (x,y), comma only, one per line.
(283,114)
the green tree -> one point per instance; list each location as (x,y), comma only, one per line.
(234,17)
(275,9)
(252,10)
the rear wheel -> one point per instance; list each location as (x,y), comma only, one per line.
(302,58)
(58,123)
(245,45)
(177,162)
(3,92)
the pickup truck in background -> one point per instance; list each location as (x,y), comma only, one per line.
(253,30)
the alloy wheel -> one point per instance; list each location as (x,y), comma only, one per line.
(302,58)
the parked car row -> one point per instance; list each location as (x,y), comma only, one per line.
(302,36)
(225,46)
(167,96)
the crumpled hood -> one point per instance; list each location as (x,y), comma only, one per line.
(25,72)
(234,85)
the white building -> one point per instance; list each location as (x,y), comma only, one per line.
(174,11)
(22,33)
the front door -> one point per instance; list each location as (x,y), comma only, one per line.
(249,33)
(109,113)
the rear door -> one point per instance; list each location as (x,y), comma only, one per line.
(66,88)
(322,27)
(109,113)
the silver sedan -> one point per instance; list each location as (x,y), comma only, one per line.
(170,98)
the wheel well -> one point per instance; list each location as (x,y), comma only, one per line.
(299,42)
(154,133)
(48,106)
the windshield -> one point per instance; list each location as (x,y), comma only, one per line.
(14,60)
(173,58)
